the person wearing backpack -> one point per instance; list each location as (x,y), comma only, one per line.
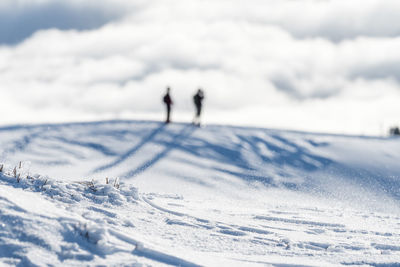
(168,102)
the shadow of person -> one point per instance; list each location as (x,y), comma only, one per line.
(133,150)
(176,141)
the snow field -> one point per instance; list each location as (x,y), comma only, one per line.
(178,195)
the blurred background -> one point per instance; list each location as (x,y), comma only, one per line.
(309,65)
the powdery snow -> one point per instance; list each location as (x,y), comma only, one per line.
(144,193)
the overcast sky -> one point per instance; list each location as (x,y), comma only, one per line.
(313,65)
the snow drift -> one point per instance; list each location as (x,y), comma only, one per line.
(138,192)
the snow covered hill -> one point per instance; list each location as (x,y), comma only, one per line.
(144,193)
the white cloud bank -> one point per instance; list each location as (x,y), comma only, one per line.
(329,66)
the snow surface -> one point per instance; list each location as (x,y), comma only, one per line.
(143,193)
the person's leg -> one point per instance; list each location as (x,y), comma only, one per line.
(168,113)
(198,112)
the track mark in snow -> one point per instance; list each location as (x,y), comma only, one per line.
(352,247)
(205,224)
(255,230)
(178,222)
(277,228)
(163,209)
(166,196)
(317,246)
(339,230)
(296,221)
(284,212)
(232,232)
(104,212)
(174,205)
(202,220)
(315,231)
(141,251)
(374,264)
(386,247)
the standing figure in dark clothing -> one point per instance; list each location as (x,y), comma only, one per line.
(168,102)
(198,102)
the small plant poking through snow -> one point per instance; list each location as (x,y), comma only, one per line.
(93,185)
(116,183)
(112,191)
(93,233)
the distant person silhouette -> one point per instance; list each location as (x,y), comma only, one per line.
(394,131)
(198,102)
(168,102)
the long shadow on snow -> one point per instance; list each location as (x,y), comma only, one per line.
(132,151)
(175,143)
(21,144)
(95,146)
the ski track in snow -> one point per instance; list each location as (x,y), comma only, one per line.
(215,196)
